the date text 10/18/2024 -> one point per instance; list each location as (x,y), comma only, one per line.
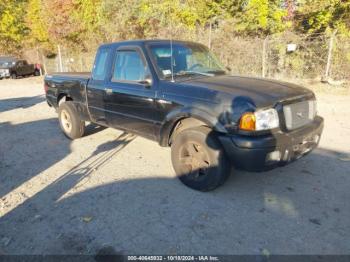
(173,258)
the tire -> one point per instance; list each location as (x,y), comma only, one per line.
(71,124)
(199,160)
(14,76)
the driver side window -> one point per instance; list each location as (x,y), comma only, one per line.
(129,66)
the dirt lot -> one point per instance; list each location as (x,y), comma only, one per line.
(113,191)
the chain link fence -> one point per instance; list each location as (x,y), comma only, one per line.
(340,64)
(69,61)
(289,56)
(297,57)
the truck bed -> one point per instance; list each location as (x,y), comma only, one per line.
(75,75)
(71,85)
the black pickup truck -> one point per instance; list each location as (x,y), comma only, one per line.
(13,67)
(178,94)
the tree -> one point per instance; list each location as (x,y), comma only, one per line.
(324,16)
(60,25)
(170,13)
(83,24)
(121,20)
(12,26)
(35,21)
(88,15)
(260,17)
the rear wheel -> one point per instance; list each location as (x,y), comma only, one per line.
(71,124)
(199,159)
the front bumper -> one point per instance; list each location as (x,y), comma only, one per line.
(4,74)
(261,153)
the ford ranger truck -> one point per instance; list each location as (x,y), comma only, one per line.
(177,94)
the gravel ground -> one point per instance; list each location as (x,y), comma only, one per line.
(110,190)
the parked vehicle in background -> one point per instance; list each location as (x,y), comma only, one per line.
(177,94)
(13,67)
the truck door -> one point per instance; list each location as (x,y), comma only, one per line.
(96,85)
(19,68)
(130,93)
(27,68)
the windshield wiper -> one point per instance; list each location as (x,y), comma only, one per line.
(184,73)
(218,71)
(190,73)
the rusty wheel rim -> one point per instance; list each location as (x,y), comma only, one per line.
(194,160)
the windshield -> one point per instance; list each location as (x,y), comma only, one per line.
(6,64)
(188,60)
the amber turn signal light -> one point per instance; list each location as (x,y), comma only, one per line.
(247,122)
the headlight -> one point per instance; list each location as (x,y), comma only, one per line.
(312,109)
(259,120)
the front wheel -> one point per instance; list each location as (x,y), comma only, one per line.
(71,124)
(199,159)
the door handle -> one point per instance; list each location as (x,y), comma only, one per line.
(109,90)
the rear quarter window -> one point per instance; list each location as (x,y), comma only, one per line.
(100,66)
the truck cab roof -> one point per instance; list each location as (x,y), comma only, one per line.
(8,58)
(145,42)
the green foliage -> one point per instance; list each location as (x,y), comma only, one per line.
(170,12)
(261,17)
(83,24)
(120,20)
(12,26)
(88,14)
(37,24)
(324,16)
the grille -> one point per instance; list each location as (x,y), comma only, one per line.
(299,114)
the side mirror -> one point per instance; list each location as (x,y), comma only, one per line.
(147,82)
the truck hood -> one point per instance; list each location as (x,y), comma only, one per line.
(263,92)
(5,67)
